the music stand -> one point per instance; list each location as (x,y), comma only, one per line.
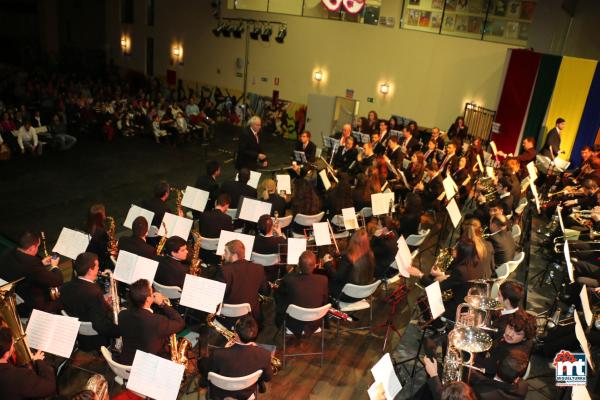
(300,157)
(394,299)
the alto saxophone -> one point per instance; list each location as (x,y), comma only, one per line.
(196,261)
(163,241)
(178,346)
(114,295)
(178,200)
(54,292)
(112,247)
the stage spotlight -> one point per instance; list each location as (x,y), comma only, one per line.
(227,30)
(255,32)
(217,31)
(281,34)
(237,31)
(266,34)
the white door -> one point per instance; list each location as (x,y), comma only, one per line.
(319,117)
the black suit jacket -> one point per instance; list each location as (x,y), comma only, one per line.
(310,151)
(135,245)
(303,290)
(553,139)
(170,272)
(239,360)
(23,383)
(147,331)
(99,246)
(158,207)
(412,145)
(244,280)
(278,203)
(395,157)
(213,222)
(342,160)
(237,189)
(85,300)
(504,247)
(34,289)
(210,185)
(248,150)
(507,203)
(268,245)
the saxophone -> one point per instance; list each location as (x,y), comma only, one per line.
(178,200)
(54,292)
(114,295)
(232,338)
(112,247)
(178,346)
(441,263)
(196,261)
(163,241)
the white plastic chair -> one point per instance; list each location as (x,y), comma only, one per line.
(518,259)
(232,212)
(85,327)
(170,292)
(235,310)
(209,244)
(366,212)
(152,231)
(338,221)
(266,260)
(362,292)
(306,221)
(516,232)
(284,222)
(521,206)
(502,272)
(234,384)
(417,240)
(306,315)
(121,371)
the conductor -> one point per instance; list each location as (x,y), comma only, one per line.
(250,152)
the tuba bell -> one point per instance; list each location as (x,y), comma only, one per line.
(8,312)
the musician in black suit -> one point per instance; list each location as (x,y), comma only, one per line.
(450,162)
(437,138)
(505,197)
(20,383)
(267,241)
(136,243)
(394,153)
(433,155)
(40,274)
(147,323)
(345,156)
(344,134)
(158,203)
(171,271)
(239,188)
(510,295)
(241,359)
(377,145)
(270,195)
(458,131)
(250,153)
(305,145)
(244,279)
(214,221)
(410,144)
(304,289)
(502,240)
(209,184)
(551,148)
(384,134)
(82,298)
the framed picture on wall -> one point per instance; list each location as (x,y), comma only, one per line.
(449,21)
(437,4)
(413,17)
(500,8)
(527,10)
(476,6)
(512,30)
(496,27)
(462,23)
(523,31)
(462,5)
(475,24)
(450,5)
(436,20)
(513,9)
(425,18)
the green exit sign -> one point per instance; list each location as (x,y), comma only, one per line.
(369,99)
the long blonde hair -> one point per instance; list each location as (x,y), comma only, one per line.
(471,229)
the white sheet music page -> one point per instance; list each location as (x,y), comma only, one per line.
(325,179)
(583,342)
(295,247)
(490,172)
(454,212)
(580,392)
(52,333)
(494,148)
(176,226)
(349,217)
(434,297)
(585,305)
(384,372)
(131,267)
(449,187)
(403,257)
(321,232)
(534,192)
(480,164)
(227,236)
(251,209)
(71,243)
(284,183)
(380,202)
(201,293)
(155,377)
(195,198)
(135,212)
(567,255)
(532,171)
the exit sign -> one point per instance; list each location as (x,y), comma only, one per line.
(369,100)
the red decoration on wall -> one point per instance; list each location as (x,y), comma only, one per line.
(351,6)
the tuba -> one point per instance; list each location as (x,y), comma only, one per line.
(8,312)
(54,292)
(196,261)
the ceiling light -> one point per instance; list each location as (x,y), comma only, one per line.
(266,34)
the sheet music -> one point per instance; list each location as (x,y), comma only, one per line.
(480,164)
(434,297)
(135,212)
(71,243)
(284,183)
(131,268)
(560,219)
(349,217)
(580,392)
(494,148)
(251,210)
(52,333)
(321,232)
(403,177)
(195,199)
(403,257)
(567,255)
(405,163)
(534,192)
(155,377)
(295,247)
(561,164)
(375,390)
(254,178)
(201,293)
(364,138)
(490,172)
(325,179)
(585,305)
(532,171)
(300,156)
(580,334)
(227,236)
(454,213)
(391,167)
(384,372)
(176,226)
(449,187)
(396,133)
(380,202)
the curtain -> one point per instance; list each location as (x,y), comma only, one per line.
(590,120)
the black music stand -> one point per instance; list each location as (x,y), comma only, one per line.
(394,299)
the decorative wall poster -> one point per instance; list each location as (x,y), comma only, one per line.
(512,30)
(475,24)
(450,5)
(476,6)
(413,17)
(425,18)
(496,27)
(462,6)
(437,4)
(436,20)
(513,9)
(523,31)
(500,8)
(462,23)
(527,10)
(449,21)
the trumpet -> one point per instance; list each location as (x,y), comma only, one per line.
(54,291)
(568,190)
